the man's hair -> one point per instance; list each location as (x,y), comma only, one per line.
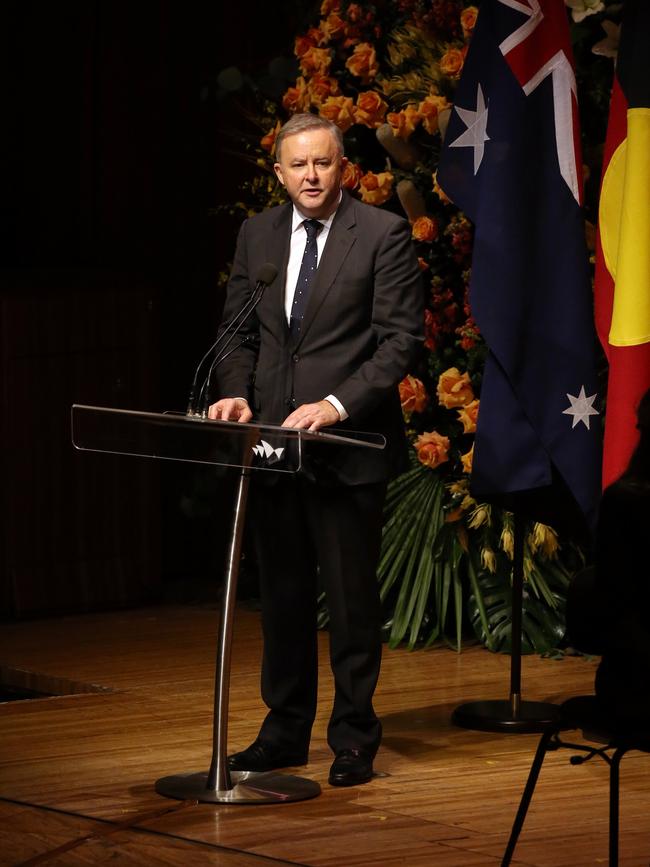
(300,123)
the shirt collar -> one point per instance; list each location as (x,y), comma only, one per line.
(298,219)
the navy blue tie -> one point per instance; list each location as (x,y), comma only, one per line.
(305,277)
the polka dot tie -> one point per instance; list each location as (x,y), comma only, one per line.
(305,277)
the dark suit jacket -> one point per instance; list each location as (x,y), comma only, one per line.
(361,332)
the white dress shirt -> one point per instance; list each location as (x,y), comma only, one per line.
(296,252)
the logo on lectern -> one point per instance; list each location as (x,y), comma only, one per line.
(266,450)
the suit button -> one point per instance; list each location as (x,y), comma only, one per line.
(290,402)
(295,359)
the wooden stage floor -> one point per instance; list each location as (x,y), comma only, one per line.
(77,771)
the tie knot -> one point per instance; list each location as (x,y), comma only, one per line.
(312,227)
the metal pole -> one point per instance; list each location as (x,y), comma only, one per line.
(517,604)
(219,775)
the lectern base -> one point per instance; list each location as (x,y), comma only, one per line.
(497,716)
(248,788)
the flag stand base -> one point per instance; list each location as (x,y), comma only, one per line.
(512,715)
(500,716)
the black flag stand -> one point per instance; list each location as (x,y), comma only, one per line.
(512,715)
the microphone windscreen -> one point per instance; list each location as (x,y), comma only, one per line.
(267,273)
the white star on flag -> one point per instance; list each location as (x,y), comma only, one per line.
(581,408)
(475,135)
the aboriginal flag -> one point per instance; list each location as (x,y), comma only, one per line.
(623,252)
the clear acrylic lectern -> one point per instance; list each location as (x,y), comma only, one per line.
(251,448)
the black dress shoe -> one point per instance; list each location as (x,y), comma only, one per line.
(264,756)
(351,768)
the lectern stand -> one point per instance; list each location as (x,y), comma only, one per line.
(250,448)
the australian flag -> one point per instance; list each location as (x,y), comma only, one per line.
(511,161)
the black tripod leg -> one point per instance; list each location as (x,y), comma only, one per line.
(527,795)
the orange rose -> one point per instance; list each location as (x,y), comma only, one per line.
(297,98)
(376,188)
(425,229)
(468,415)
(321,87)
(363,62)
(454,388)
(403,122)
(370,109)
(268,141)
(432,449)
(339,110)
(315,60)
(428,110)
(451,62)
(302,45)
(467,460)
(334,26)
(468,20)
(352,174)
(317,36)
(412,395)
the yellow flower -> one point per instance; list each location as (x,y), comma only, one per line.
(429,109)
(315,60)
(403,122)
(425,229)
(363,62)
(454,389)
(468,415)
(452,61)
(297,98)
(507,540)
(370,109)
(468,20)
(467,460)
(340,110)
(481,515)
(489,559)
(321,87)
(376,188)
(544,539)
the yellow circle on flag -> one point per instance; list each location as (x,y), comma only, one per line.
(624,220)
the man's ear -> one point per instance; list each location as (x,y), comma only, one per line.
(277,168)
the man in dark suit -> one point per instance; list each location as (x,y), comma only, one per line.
(330,340)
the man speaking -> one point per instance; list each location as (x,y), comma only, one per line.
(328,344)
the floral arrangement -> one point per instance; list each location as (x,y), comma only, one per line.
(385,73)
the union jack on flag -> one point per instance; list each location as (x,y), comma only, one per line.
(511,160)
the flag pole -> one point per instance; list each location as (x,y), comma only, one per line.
(510,715)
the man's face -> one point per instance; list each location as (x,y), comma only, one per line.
(310,168)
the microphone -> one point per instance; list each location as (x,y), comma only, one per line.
(265,276)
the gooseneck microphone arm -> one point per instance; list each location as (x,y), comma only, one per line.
(265,276)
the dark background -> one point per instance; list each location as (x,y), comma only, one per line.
(119,143)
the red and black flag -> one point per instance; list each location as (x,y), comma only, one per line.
(623,254)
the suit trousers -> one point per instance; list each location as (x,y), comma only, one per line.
(311,537)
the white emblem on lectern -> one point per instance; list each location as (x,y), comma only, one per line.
(265,450)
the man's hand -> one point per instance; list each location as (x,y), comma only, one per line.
(312,416)
(230,409)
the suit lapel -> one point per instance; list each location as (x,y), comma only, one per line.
(339,242)
(277,251)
